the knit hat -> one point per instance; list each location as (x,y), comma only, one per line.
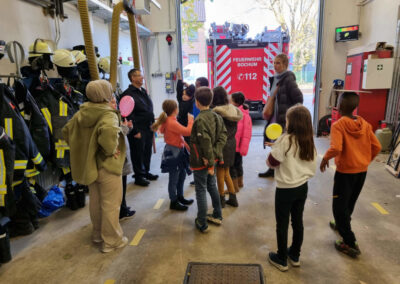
(99,91)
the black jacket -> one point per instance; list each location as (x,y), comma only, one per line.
(288,95)
(57,109)
(34,118)
(185,107)
(142,115)
(16,128)
(7,155)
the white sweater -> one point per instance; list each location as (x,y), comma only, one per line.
(292,171)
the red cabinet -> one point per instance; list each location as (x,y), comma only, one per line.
(372,105)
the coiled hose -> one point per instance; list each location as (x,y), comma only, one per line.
(115,42)
(87,36)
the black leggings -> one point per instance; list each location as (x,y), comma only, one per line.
(237,169)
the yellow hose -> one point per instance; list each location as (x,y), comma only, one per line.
(87,36)
(115,42)
(134,40)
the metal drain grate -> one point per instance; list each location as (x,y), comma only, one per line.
(223,273)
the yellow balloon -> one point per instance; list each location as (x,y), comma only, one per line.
(273,131)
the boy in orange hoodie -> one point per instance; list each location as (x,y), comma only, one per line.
(354,146)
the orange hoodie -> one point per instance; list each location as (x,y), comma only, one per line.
(174,131)
(353,144)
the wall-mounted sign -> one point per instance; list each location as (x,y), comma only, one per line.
(347,33)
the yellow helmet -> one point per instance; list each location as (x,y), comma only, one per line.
(38,48)
(104,64)
(79,56)
(64,58)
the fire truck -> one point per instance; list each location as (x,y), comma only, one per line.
(243,64)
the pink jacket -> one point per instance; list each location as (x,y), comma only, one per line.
(243,133)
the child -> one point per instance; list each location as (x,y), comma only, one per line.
(293,156)
(185,97)
(126,127)
(175,159)
(243,137)
(206,143)
(354,146)
(231,116)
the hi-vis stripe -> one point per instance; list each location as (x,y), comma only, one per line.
(38,159)
(31,172)
(20,164)
(9,127)
(47,116)
(63,108)
(61,147)
(66,170)
(3,187)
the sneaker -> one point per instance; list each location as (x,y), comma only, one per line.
(346,249)
(294,261)
(192,183)
(124,242)
(215,221)
(176,205)
(332,224)
(184,201)
(150,176)
(203,229)
(127,215)
(267,174)
(277,262)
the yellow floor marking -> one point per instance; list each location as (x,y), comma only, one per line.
(138,237)
(380,208)
(320,156)
(109,281)
(158,204)
(333,167)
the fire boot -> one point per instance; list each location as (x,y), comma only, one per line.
(5,252)
(80,195)
(232,200)
(70,193)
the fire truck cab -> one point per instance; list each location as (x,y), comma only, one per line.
(242,64)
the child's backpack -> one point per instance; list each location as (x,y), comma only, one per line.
(324,126)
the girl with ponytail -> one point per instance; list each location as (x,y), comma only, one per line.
(175,158)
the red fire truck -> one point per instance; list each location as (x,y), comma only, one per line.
(241,64)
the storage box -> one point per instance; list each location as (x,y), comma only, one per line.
(378,73)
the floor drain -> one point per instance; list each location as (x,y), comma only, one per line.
(223,273)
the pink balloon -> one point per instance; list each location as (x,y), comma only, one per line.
(126,106)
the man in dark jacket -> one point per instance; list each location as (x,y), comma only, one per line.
(284,89)
(141,136)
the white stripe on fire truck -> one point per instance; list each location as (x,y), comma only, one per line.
(221,69)
(270,55)
(222,59)
(222,78)
(226,83)
(228,90)
(274,48)
(221,50)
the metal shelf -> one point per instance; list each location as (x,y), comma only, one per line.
(104,12)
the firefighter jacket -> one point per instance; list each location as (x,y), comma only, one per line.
(7,155)
(16,128)
(33,118)
(57,109)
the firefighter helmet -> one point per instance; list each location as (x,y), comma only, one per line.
(39,47)
(79,56)
(104,64)
(64,58)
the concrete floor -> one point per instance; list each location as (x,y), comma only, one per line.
(61,250)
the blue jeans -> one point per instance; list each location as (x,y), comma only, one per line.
(175,183)
(204,182)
